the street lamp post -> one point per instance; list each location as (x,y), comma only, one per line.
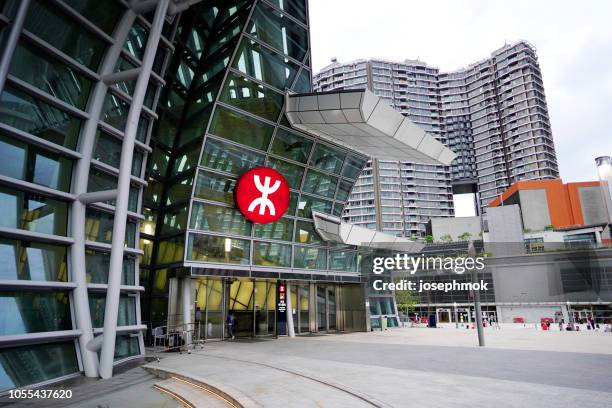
(477,308)
(456,316)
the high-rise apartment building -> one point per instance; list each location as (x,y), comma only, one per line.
(492,114)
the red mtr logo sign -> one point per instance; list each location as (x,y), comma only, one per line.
(262,195)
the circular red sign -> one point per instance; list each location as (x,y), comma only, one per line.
(262,195)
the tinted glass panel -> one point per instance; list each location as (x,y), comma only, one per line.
(99,228)
(343,190)
(266,65)
(47,22)
(241,129)
(328,159)
(279,32)
(108,150)
(55,78)
(126,346)
(291,172)
(352,167)
(100,181)
(303,82)
(297,8)
(305,233)
(97,265)
(229,158)
(291,146)
(206,248)
(32,364)
(104,14)
(321,184)
(171,250)
(31,312)
(308,204)
(271,254)
(21,111)
(281,230)
(252,97)
(309,258)
(343,261)
(35,261)
(32,212)
(208,217)
(215,187)
(127,310)
(30,163)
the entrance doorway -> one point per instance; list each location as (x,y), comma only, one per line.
(443,315)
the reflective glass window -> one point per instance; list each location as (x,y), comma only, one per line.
(104,14)
(308,204)
(180,191)
(33,164)
(108,151)
(305,233)
(265,65)
(223,156)
(116,112)
(321,184)
(24,112)
(125,317)
(352,167)
(32,212)
(274,29)
(171,250)
(136,41)
(97,265)
(343,190)
(215,187)
(99,228)
(309,258)
(100,181)
(343,261)
(126,346)
(208,248)
(214,218)
(291,146)
(49,361)
(252,97)
(327,158)
(50,24)
(297,8)
(281,230)
(175,220)
(26,260)
(47,74)
(32,312)
(291,172)
(187,160)
(271,254)
(241,128)
(303,84)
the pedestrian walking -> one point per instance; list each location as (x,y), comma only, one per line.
(231,324)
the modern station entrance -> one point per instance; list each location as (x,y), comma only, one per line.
(315,307)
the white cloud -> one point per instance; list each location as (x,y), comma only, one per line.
(573,40)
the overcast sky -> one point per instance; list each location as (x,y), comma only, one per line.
(573,41)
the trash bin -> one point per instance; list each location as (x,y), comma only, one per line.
(383,323)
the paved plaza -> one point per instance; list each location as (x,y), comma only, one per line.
(402,367)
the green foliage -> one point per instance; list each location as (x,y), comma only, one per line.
(406,300)
(465,236)
(429,239)
(446,238)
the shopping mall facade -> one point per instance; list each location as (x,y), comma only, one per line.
(124,127)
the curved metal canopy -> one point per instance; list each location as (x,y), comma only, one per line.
(360,120)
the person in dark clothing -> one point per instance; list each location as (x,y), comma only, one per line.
(231,324)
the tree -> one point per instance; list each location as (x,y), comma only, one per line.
(446,238)
(429,239)
(465,236)
(406,300)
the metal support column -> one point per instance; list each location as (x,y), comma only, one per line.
(9,50)
(186,307)
(123,189)
(290,327)
(78,208)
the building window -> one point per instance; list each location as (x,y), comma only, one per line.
(208,248)
(252,97)
(291,146)
(214,218)
(281,230)
(291,172)
(241,129)
(223,156)
(26,260)
(32,212)
(265,65)
(309,258)
(271,254)
(327,159)
(127,310)
(32,312)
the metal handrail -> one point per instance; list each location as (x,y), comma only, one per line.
(181,338)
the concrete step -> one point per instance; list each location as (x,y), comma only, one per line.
(192,394)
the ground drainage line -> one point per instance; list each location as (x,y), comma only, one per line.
(352,393)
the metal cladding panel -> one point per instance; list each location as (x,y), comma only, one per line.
(361,120)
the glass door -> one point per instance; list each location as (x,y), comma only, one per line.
(265,293)
(209,308)
(331,306)
(241,303)
(321,309)
(304,310)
